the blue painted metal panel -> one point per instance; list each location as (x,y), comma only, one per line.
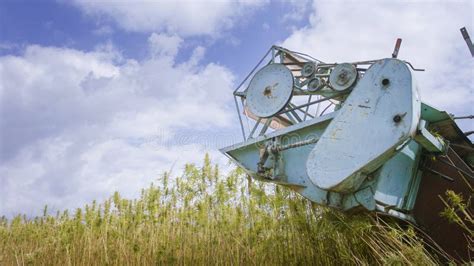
(381,113)
(396,176)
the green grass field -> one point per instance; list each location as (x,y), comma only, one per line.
(201,218)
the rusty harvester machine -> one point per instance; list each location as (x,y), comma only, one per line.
(354,136)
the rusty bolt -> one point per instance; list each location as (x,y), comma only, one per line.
(397,118)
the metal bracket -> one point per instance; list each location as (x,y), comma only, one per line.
(428,140)
(272,150)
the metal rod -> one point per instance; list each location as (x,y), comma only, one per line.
(440,174)
(315,75)
(310,103)
(307,114)
(296,116)
(265,126)
(397,48)
(297,54)
(255,127)
(303,112)
(290,117)
(297,144)
(463,146)
(327,107)
(369,62)
(464,117)
(293,63)
(307,108)
(466,37)
(253,70)
(240,118)
(457,168)
(412,67)
(246,117)
(318,106)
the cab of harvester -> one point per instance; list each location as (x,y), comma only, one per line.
(353,136)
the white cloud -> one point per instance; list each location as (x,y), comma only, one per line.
(164,45)
(184,18)
(8,46)
(297,11)
(103,30)
(77,126)
(345,31)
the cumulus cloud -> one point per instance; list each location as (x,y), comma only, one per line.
(185,18)
(103,30)
(345,31)
(78,125)
(297,11)
(164,45)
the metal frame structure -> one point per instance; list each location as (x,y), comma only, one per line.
(307,104)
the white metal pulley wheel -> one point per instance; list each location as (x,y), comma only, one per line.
(270,90)
(343,76)
(308,70)
(315,84)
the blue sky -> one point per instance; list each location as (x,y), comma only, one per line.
(102,96)
(60,23)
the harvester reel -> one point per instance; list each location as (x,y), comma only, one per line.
(270,90)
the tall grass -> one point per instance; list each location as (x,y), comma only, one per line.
(202,217)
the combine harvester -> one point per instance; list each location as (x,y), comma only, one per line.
(381,149)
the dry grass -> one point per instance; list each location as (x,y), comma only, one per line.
(204,218)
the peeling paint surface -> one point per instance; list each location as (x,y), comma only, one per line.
(362,138)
